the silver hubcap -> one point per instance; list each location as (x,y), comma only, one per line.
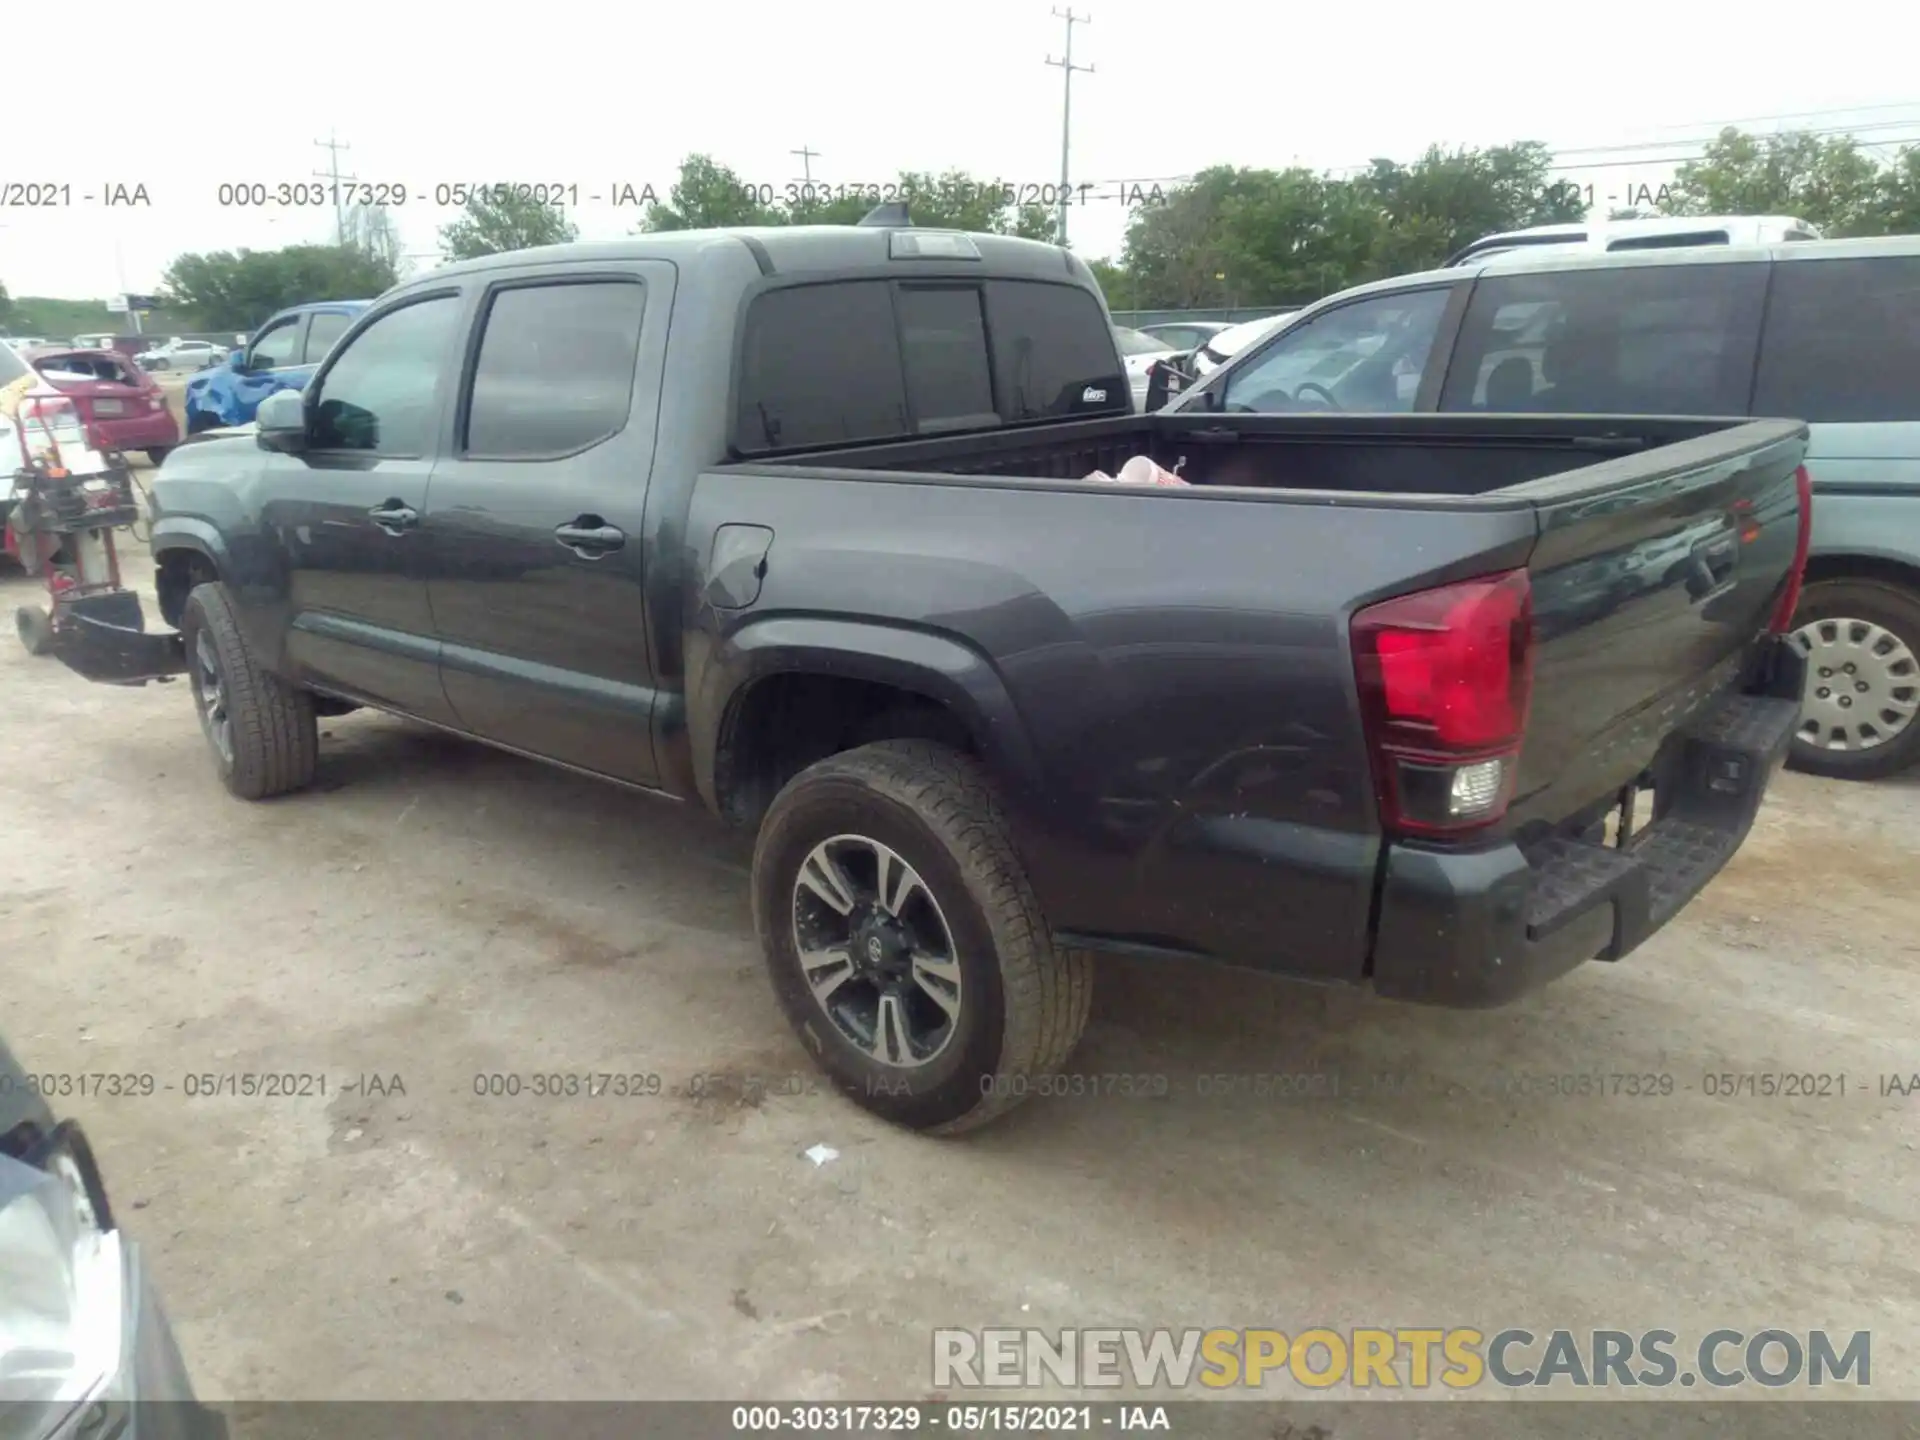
(1863,686)
(876,951)
(211,691)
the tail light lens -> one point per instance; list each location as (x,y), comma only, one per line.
(1446,678)
(1790,597)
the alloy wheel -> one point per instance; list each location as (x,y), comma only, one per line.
(210,690)
(876,951)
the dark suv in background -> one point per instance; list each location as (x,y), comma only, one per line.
(1826,331)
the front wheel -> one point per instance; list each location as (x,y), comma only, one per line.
(1861,639)
(262,731)
(905,943)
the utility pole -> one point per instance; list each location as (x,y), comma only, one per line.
(333,177)
(1067,67)
(807,157)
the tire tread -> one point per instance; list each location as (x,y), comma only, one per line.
(276,736)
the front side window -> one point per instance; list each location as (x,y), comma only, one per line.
(380,393)
(1842,342)
(277,348)
(1628,340)
(555,373)
(1367,356)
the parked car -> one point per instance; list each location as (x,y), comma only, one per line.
(1138,351)
(1216,350)
(119,403)
(85,1343)
(1184,335)
(696,524)
(1824,330)
(34,418)
(1665,232)
(184,355)
(281,356)
(25,342)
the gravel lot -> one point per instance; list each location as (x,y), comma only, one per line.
(436,912)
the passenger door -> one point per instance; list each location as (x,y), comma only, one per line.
(348,510)
(538,519)
(1375,354)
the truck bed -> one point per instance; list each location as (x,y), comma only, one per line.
(1407,455)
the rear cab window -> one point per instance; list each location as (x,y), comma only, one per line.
(1843,341)
(842,362)
(1635,340)
(554,375)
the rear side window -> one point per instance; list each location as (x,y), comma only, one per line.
(1665,340)
(1843,341)
(820,365)
(1053,351)
(555,373)
(325,327)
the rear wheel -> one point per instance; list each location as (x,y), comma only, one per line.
(157,454)
(261,730)
(200,420)
(904,941)
(1862,643)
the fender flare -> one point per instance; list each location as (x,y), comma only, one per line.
(939,667)
(184,532)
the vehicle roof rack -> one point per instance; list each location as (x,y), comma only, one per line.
(892,215)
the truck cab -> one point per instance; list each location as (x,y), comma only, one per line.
(281,355)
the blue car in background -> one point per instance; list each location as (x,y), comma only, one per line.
(282,355)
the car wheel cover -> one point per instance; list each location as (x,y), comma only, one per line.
(876,952)
(1863,685)
(210,693)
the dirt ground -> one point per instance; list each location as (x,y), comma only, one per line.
(436,912)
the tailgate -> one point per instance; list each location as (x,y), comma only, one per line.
(1654,575)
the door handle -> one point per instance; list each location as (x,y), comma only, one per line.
(394,516)
(590,537)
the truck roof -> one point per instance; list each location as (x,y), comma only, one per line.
(787,250)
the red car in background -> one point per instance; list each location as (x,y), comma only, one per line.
(121,405)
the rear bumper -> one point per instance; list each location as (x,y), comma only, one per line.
(139,432)
(103,638)
(1480,928)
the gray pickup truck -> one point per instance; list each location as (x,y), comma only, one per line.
(796,524)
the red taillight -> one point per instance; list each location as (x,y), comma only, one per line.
(1445,678)
(49,410)
(1790,597)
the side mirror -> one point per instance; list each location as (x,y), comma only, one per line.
(281,422)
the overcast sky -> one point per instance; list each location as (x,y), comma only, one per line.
(596,95)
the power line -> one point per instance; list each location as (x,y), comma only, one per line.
(1067,67)
(807,157)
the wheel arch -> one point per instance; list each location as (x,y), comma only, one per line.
(785,692)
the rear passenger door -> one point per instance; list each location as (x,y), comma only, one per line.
(536,517)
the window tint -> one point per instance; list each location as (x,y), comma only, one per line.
(379,394)
(276,348)
(943,342)
(555,373)
(1366,356)
(1843,341)
(323,328)
(820,365)
(1053,351)
(1666,340)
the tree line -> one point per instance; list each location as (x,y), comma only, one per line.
(1229,236)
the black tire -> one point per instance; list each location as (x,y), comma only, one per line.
(200,420)
(162,364)
(274,738)
(34,626)
(1024,1000)
(1894,609)
(157,454)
